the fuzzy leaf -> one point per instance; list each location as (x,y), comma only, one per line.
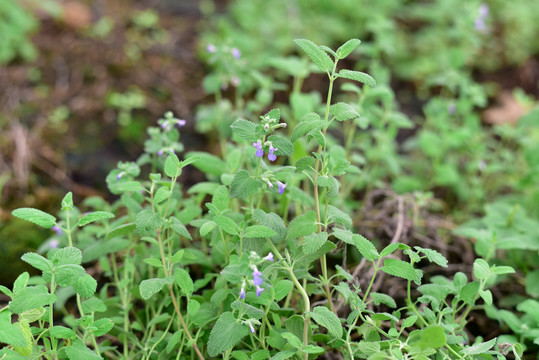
(147,222)
(246,130)
(207,227)
(226,333)
(433,256)
(150,287)
(343,111)
(31,297)
(172,167)
(284,146)
(121,230)
(347,48)
(327,318)
(67,202)
(258,231)
(78,351)
(221,198)
(66,256)
(401,269)
(85,286)
(314,242)
(480,348)
(9,333)
(103,326)
(307,124)
(317,55)
(302,225)
(243,185)
(227,224)
(61,332)
(305,163)
(481,269)
(282,288)
(365,247)
(95,216)
(37,261)
(357,76)
(207,163)
(35,216)
(161,195)
(184,281)
(380,298)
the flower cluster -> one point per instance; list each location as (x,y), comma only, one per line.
(170,121)
(256,275)
(481,17)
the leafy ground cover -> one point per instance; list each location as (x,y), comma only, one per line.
(352,200)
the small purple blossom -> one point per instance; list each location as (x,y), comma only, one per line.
(160,152)
(235,81)
(451,108)
(259,291)
(270,185)
(257,280)
(282,187)
(268,257)
(119,176)
(236,53)
(57,230)
(252,328)
(258,147)
(272,156)
(481,17)
(211,48)
(53,244)
(180,122)
(242,293)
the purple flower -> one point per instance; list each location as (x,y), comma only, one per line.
(270,185)
(242,293)
(252,328)
(119,176)
(57,229)
(257,280)
(236,53)
(268,257)
(180,123)
(272,156)
(451,108)
(481,17)
(259,290)
(258,147)
(281,187)
(53,244)
(160,152)
(211,48)
(483,10)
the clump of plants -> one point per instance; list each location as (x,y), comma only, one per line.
(257,262)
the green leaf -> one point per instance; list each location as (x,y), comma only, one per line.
(31,297)
(337,216)
(35,216)
(66,256)
(173,341)
(24,327)
(284,146)
(153,262)
(221,198)
(309,258)
(65,275)
(249,310)
(347,48)
(67,202)
(246,130)
(184,281)
(161,195)
(61,332)
(95,216)
(207,163)
(314,242)
(207,227)
(357,76)
(293,340)
(93,304)
(227,224)
(147,222)
(380,298)
(481,269)
(305,163)
(192,307)
(258,231)
(401,269)
(409,321)
(283,355)
(103,326)
(309,122)
(32,315)
(20,282)
(85,286)
(273,221)
(226,333)
(501,270)
(432,337)
(150,287)
(121,230)
(173,167)
(282,289)
(179,228)
(302,225)
(327,318)
(468,292)
(128,186)
(343,111)
(365,247)
(478,349)
(243,185)
(486,295)
(317,55)
(6,291)
(9,333)
(37,261)
(433,256)
(78,351)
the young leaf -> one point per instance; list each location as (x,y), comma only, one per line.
(305,163)
(93,304)
(317,55)
(243,185)
(161,195)
(121,230)
(147,222)
(207,227)
(401,269)
(365,247)
(221,198)
(35,216)
(327,318)
(357,76)
(150,287)
(61,332)
(85,285)
(347,48)
(66,256)
(103,326)
(78,351)
(481,269)
(284,146)
(246,130)
(307,125)
(173,167)
(480,348)
(31,297)
(37,261)
(380,298)
(433,256)
(302,225)
(9,333)
(153,262)
(227,224)
(281,289)
(226,333)
(258,231)
(184,281)
(343,111)
(67,202)
(314,242)
(95,216)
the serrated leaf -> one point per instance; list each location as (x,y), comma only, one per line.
(95,216)
(31,297)
(172,166)
(357,76)
(327,318)
(9,333)
(78,351)
(161,195)
(207,227)
(61,332)
(365,247)
(150,287)
(317,55)
(20,282)
(128,186)
(147,222)
(481,269)
(184,281)
(207,163)
(480,348)
(314,242)
(121,230)
(103,326)
(192,307)
(179,228)
(343,111)
(35,216)
(310,122)
(432,337)
(345,49)
(380,298)
(32,315)
(85,286)
(67,202)
(283,355)
(284,146)
(309,258)
(501,270)
(37,261)
(154,262)
(24,327)
(246,130)
(302,225)
(468,292)
(433,256)
(337,216)
(282,289)
(226,333)
(305,163)
(249,310)
(258,231)
(221,198)
(243,185)
(409,321)
(66,256)
(401,269)
(65,275)
(227,224)
(93,304)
